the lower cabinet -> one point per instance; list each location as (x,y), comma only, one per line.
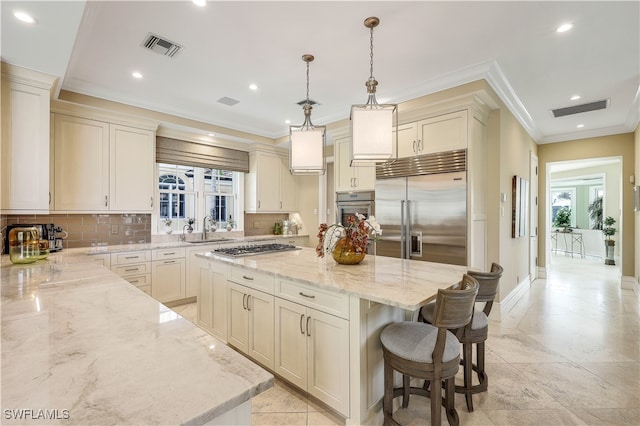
(312,352)
(212,299)
(168,272)
(135,267)
(251,323)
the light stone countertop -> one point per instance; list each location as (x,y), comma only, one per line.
(216,239)
(407,284)
(77,337)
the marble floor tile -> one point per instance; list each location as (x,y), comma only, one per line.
(278,419)
(608,416)
(533,417)
(521,348)
(281,398)
(188,311)
(625,376)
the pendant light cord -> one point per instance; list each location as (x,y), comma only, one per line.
(371,55)
(308,81)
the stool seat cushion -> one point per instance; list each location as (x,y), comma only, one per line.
(415,341)
(480,319)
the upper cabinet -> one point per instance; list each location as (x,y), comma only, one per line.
(269,187)
(100,166)
(24,146)
(347,178)
(435,134)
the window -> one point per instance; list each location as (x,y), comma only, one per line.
(563,198)
(193,192)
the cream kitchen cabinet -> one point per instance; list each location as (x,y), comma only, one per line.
(24,145)
(168,272)
(295,240)
(212,299)
(347,178)
(444,132)
(251,322)
(100,166)
(269,186)
(135,267)
(312,341)
(194,265)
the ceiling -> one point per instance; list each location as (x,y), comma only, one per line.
(420,47)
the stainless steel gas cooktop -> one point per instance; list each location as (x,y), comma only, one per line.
(250,250)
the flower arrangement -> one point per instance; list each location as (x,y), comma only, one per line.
(190,221)
(230,223)
(167,221)
(356,232)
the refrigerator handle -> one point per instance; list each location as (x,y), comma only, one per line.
(407,233)
(416,244)
(403,242)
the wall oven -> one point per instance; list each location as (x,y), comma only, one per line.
(350,203)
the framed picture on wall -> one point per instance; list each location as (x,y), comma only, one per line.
(519,206)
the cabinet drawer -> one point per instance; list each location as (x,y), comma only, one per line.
(140,280)
(170,253)
(328,301)
(131,270)
(253,279)
(130,257)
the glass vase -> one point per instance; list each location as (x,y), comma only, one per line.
(345,253)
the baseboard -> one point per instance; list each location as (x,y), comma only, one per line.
(502,308)
(630,283)
(542,272)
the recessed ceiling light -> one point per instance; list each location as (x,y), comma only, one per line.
(575,97)
(136,74)
(200,3)
(253,86)
(287,121)
(564,27)
(210,134)
(24,17)
(580,126)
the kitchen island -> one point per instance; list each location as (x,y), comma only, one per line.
(314,322)
(80,345)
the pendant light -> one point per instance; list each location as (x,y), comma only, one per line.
(372,136)
(307,141)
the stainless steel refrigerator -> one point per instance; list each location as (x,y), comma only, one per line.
(421,206)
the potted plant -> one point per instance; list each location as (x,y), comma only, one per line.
(230,224)
(563,219)
(347,243)
(609,244)
(595,213)
(167,225)
(189,226)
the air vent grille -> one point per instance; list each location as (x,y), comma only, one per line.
(577,109)
(161,45)
(228,101)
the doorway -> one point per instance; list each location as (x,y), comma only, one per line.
(585,192)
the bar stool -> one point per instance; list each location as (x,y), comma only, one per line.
(429,352)
(477,333)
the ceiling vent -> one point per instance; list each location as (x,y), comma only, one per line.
(577,109)
(161,45)
(304,101)
(228,101)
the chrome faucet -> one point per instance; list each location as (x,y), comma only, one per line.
(204,227)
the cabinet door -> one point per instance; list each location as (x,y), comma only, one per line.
(131,169)
(81,171)
(291,342)
(364,178)
(212,301)
(238,317)
(407,140)
(268,183)
(24,148)
(328,365)
(343,172)
(443,133)
(168,280)
(261,338)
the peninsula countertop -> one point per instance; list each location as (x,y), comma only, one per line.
(407,284)
(82,343)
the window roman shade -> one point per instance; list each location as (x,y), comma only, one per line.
(187,153)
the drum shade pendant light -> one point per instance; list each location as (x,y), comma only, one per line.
(307,141)
(372,136)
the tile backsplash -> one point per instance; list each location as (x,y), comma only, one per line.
(87,230)
(262,223)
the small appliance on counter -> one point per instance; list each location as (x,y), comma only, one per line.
(47,232)
(25,245)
